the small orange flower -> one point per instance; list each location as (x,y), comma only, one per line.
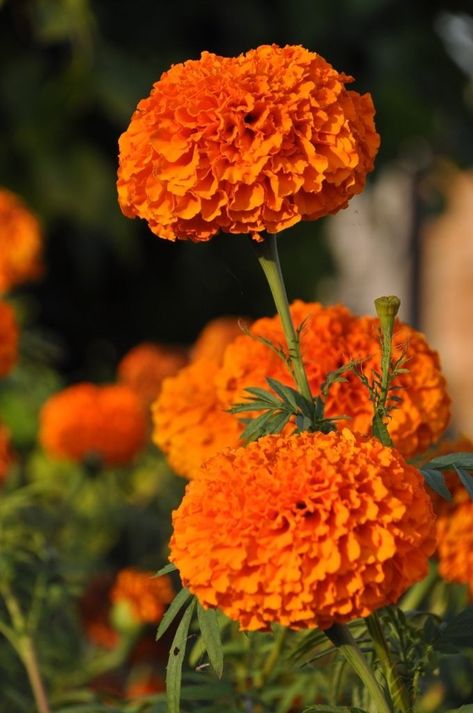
(20,242)
(190,424)
(146,594)
(95,610)
(145,366)
(87,419)
(8,339)
(245,144)
(6,455)
(305,530)
(215,337)
(144,685)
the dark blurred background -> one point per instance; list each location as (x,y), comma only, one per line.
(71,73)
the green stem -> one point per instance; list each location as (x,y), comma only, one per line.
(416,594)
(397,689)
(340,635)
(268,257)
(272,659)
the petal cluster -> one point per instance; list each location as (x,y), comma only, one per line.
(215,337)
(304,530)
(86,419)
(146,594)
(8,338)
(145,367)
(246,144)
(20,242)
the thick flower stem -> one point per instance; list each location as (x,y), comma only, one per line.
(340,635)
(268,257)
(397,689)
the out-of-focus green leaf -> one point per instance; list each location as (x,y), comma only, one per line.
(436,481)
(210,631)
(176,658)
(176,604)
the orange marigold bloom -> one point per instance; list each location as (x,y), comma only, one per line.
(304,530)
(146,594)
(190,424)
(6,455)
(455,544)
(8,338)
(95,610)
(145,366)
(245,144)
(144,685)
(331,337)
(87,419)
(20,242)
(215,337)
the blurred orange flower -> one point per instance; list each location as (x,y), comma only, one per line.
(8,338)
(20,242)
(6,454)
(190,423)
(144,685)
(86,419)
(95,609)
(146,594)
(215,337)
(145,366)
(305,530)
(245,144)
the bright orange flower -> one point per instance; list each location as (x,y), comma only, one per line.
(215,337)
(6,455)
(245,144)
(331,337)
(190,424)
(145,366)
(86,419)
(8,338)
(20,242)
(455,544)
(146,594)
(305,530)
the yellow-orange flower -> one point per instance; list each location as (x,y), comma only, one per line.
(245,144)
(86,419)
(455,544)
(145,366)
(215,337)
(331,337)
(305,530)
(6,455)
(20,242)
(190,424)
(8,338)
(146,594)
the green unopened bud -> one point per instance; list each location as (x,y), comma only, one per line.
(387,309)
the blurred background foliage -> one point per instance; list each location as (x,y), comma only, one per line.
(71,74)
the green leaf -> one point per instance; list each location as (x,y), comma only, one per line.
(380,430)
(466,479)
(457,634)
(167,569)
(169,616)
(285,392)
(436,481)
(176,658)
(460,460)
(463,709)
(263,394)
(210,631)
(322,708)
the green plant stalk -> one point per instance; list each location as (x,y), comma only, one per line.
(396,687)
(386,309)
(271,661)
(268,257)
(340,635)
(416,594)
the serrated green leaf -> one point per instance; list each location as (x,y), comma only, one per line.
(284,392)
(466,479)
(167,569)
(256,405)
(169,616)
(380,430)
(175,660)
(436,481)
(460,460)
(263,394)
(210,631)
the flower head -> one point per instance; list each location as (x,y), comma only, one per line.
(6,455)
(190,424)
(8,338)
(245,144)
(145,366)
(20,242)
(455,544)
(94,609)
(215,337)
(146,595)
(305,530)
(86,419)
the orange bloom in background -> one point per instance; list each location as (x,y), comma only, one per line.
(331,337)
(6,454)
(20,242)
(86,419)
(245,144)
(144,684)
(305,530)
(190,424)
(8,338)
(215,337)
(146,594)
(94,609)
(145,366)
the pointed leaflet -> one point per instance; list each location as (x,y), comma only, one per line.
(436,481)
(466,479)
(460,460)
(167,569)
(210,631)
(175,660)
(176,604)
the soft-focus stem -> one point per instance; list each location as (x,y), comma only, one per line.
(396,686)
(341,637)
(416,594)
(273,657)
(268,257)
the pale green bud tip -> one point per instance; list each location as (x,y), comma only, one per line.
(387,307)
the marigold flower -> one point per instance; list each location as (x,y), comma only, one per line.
(332,336)
(86,419)
(245,144)
(8,338)
(190,424)
(305,530)
(455,544)
(146,594)
(20,242)
(145,366)
(94,608)
(6,455)
(215,337)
